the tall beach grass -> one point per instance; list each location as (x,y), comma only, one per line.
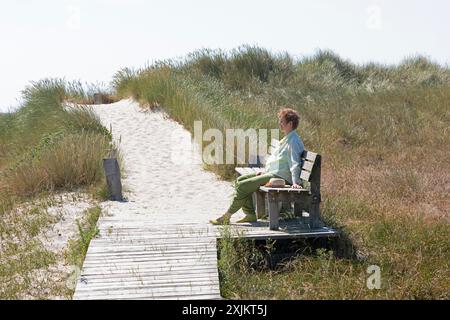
(383,133)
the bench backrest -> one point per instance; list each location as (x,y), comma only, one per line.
(310,167)
(310,160)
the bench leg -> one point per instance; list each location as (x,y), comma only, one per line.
(314,213)
(260,204)
(298,208)
(286,207)
(274,214)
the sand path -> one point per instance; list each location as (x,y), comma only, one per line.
(163,174)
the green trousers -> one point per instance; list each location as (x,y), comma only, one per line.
(244,187)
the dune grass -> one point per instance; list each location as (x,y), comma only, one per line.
(45,148)
(383,134)
(52,146)
(87,230)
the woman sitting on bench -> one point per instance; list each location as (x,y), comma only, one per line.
(284,162)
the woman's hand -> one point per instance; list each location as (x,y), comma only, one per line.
(296,186)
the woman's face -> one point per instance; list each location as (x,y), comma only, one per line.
(285,127)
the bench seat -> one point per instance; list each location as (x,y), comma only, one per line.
(307,199)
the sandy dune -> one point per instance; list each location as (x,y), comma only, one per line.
(162,174)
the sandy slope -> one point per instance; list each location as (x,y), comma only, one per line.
(162,174)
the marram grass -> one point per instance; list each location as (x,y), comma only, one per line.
(383,135)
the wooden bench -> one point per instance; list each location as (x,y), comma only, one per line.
(306,199)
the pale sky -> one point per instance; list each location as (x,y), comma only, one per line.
(89,40)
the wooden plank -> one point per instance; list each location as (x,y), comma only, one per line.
(283,235)
(146,239)
(148,235)
(105,252)
(269,189)
(169,253)
(147,248)
(144,257)
(154,223)
(308,155)
(137,268)
(103,271)
(111,292)
(170,234)
(205,235)
(148,279)
(152,279)
(169,287)
(146,296)
(152,263)
(151,255)
(161,296)
(304,175)
(149,285)
(308,165)
(141,243)
(149,294)
(152,293)
(131,235)
(136,283)
(128,242)
(192,297)
(143,274)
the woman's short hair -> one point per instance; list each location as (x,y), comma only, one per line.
(289,115)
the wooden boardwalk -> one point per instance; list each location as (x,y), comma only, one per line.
(133,259)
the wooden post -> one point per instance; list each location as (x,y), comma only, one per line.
(315,193)
(98,98)
(112,173)
(274,212)
(260,204)
(298,208)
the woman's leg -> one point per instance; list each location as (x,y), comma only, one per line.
(247,207)
(246,176)
(244,189)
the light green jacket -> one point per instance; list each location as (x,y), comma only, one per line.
(285,160)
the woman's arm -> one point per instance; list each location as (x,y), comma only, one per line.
(294,160)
